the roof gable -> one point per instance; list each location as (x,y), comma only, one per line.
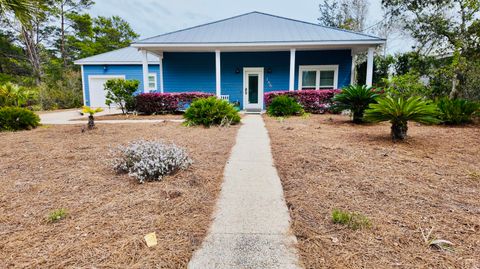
(128,55)
(257,27)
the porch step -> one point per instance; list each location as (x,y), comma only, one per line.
(253,110)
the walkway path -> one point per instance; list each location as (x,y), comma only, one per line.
(251,226)
(69,116)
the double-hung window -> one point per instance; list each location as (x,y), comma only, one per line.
(317,77)
(152,81)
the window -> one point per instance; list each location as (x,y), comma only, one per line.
(152,81)
(314,77)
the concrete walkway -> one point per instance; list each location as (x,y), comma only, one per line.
(251,225)
(70,116)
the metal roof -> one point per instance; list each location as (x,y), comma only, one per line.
(128,55)
(257,28)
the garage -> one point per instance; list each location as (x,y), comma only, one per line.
(96,89)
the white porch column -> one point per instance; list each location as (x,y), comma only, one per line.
(145,70)
(217,73)
(291,85)
(352,70)
(369,79)
(160,57)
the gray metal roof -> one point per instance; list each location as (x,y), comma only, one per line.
(128,55)
(257,27)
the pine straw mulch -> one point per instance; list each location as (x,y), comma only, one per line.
(430,180)
(56,167)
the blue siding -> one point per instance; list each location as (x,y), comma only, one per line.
(130,72)
(190,71)
(232,82)
(327,57)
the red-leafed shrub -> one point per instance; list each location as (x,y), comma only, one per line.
(166,103)
(313,101)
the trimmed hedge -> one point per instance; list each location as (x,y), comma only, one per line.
(284,106)
(17,118)
(211,111)
(166,103)
(312,101)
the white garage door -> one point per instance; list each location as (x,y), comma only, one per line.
(97,91)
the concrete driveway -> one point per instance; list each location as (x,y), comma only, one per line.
(66,116)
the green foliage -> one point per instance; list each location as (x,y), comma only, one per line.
(17,118)
(22,9)
(399,110)
(91,111)
(457,111)
(14,95)
(211,111)
(356,98)
(57,215)
(61,93)
(405,85)
(120,92)
(352,220)
(284,106)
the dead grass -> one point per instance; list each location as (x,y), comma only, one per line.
(325,162)
(108,215)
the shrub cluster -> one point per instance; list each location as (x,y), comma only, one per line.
(17,118)
(312,101)
(211,111)
(457,111)
(166,103)
(150,160)
(283,105)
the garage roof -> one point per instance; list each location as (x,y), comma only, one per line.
(128,55)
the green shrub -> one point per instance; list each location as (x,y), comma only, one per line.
(211,111)
(16,118)
(120,92)
(457,111)
(283,106)
(352,220)
(355,98)
(14,95)
(399,111)
(405,85)
(57,215)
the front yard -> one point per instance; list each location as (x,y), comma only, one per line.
(430,181)
(55,167)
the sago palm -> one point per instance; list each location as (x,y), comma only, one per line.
(399,111)
(91,111)
(355,98)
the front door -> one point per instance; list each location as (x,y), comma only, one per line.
(253,89)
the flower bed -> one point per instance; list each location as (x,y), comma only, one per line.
(166,103)
(313,101)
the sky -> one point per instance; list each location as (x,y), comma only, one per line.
(154,17)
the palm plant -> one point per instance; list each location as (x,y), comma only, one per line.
(399,111)
(22,9)
(356,98)
(91,112)
(457,111)
(14,95)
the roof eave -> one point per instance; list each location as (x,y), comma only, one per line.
(112,63)
(258,44)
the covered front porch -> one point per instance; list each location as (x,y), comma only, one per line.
(243,75)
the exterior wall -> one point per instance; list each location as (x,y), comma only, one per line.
(130,72)
(190,71)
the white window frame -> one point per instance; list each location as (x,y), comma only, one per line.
(317,69)
(154,79)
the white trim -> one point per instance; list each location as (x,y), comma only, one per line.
(260,72)
(145,70)
(291,84)
(154,75)
(318,68)
(114,63)
(260,44)
(83,86)
(352,69)
(369,79)
(89,77)
(217,74)
(161,71)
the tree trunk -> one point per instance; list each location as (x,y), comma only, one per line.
(62,42)
(91,123)
(31,47)
(399,130)
(357,117)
